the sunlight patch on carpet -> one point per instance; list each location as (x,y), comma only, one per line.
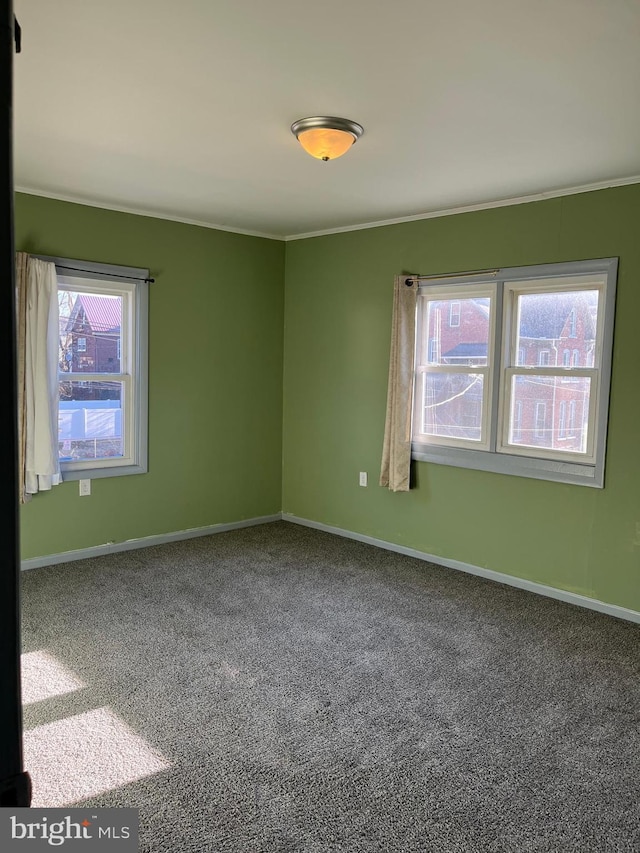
(85,755)
(44,677)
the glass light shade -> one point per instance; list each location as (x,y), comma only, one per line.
(326,143)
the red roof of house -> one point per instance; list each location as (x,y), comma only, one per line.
(103,313)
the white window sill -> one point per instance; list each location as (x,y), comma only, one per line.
(518,466)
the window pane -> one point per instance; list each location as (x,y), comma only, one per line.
(456,331)
(452,405)
(550,412)
(90,332)
(550,325)
(90,420)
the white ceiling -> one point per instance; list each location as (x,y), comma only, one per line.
(183,109)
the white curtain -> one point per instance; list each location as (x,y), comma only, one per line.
(396,451)
(41,336)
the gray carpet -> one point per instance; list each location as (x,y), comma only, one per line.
(310,693)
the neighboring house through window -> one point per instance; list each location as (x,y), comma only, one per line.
(540,420)
(571,428)
(573,324)
(562,420)
(517,421)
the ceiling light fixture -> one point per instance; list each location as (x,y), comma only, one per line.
(326,137)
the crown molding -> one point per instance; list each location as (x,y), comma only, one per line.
(470,208)
(433,214)
(154,215)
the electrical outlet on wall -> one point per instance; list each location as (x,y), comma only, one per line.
(85,488)
(363,478)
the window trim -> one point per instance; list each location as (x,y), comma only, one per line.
(136,278)
(514,460)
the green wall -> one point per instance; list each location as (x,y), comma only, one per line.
(338,301)
(216,401)
(215,377)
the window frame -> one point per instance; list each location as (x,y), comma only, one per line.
(132,281)
(519,460)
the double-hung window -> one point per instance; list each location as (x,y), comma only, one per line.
(521,384)
(102,369)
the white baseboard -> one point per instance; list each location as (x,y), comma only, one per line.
(192,533)
(500,577)
(144,542)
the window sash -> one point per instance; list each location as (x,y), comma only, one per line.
(565,284)
(128,418)
(452,370)
(513,290)
(455,293)
(505,446)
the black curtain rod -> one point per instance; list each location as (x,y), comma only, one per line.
(417,278)
(110,274)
